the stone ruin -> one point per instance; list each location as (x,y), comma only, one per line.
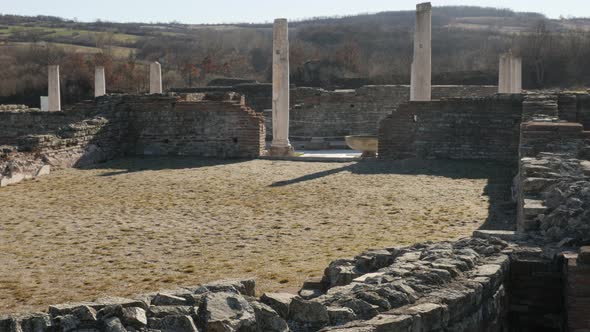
(532,279)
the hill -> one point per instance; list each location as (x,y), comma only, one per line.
(327,51)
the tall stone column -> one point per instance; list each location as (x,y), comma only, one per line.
(100,88)
(516,75)
(155,78)
(422,65)
(504,74)
(510,74)
(280,90)
(54,89)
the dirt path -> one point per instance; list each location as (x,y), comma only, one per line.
(138,225)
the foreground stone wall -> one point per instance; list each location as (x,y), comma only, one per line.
(469,128)
(474,284)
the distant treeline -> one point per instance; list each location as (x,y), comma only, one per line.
(327,52)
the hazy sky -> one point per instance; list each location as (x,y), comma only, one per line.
(228,11)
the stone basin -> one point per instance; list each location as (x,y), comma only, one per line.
(368,144)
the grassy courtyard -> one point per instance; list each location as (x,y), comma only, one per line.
(140,225)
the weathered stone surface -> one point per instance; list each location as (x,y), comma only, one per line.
(385,323)
(429,316)
(309,294)
(307,315)
(340,316)
(122,301)
(179,323)
(245,287)
(267,319)
(85,313)
(169,300)
(227,312)
(163,311)
(135,317)
(113,324)
(67,323)
(279,302)
(34,322)
(68,308)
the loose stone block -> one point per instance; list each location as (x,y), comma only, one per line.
(280,302)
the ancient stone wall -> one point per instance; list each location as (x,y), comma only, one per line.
(577,294)
(474,284)
(15,123)
(331,115)
(205,128)
(575,108)
(91,132)
(34,142)
(469,128)
(554,168)
(553,173)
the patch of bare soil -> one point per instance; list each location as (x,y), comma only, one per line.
(139,225)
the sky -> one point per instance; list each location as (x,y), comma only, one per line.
(257,11)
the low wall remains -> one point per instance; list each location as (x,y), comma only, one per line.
(554,180)
(331,115)
(220,126)
(575,108)
(468,128)
(206,128)
(481,283)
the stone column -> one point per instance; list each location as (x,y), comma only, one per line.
(510,74)
(280,90)
(53,93)
(422,64)
(44,103)
(515,75)
(100,88)
(504,74)
(155,78)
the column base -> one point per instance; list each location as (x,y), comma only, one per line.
(281,151)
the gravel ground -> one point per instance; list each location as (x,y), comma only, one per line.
(140,225)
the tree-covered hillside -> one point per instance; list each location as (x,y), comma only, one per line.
(331,52)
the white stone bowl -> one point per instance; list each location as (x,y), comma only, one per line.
(368,144)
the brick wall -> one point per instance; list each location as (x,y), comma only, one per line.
(535,286)
(577,290)
(469,128)
(208,128)
(111,126)
(575,108)
(334,114)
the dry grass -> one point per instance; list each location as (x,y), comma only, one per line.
(78,234)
